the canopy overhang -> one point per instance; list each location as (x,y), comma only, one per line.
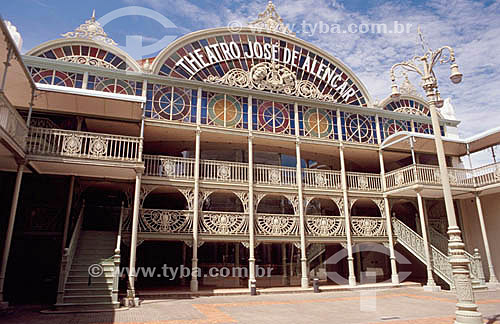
(456,147)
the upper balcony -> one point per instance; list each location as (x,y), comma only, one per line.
(265,177)
(177,170)
(59,151)
(12,126)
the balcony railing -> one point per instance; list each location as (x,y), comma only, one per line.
(314,178)
(224,223)
(325,226)
(168,166)
(368,226)
(487,174)
(13,123)
(363,181)
(75,144)
(280,176)
(428,174)
(277,225)
(275,175)
(223,172)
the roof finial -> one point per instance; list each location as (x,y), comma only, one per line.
(91,29)
(269,20)
(421,39)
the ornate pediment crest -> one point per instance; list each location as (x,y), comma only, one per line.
(91,29)
(270,20)
(273,77)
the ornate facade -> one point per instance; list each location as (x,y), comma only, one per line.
(249,148)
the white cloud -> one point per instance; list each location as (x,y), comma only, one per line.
(470,27)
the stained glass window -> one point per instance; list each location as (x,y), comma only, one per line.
(317,122)
(304,71)
(85,54)
(224,110)
(112,85)
(273,117)
(392,126)
(358,128)
(171,103)
(59,78)
(408,106)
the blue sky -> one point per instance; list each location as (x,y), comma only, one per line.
(471,27)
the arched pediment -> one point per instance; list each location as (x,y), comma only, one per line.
(86,51)
(262,60)
(407,104)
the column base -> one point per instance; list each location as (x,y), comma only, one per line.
(131,302)
(304,282)
(194,285)
(352,281)
(432,288)
(493,285)
(284,281)
(395,279)
(468,317)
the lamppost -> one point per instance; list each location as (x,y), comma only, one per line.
(466,308)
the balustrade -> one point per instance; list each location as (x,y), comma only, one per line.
(274,175)
(75,144)
(277,225)
(12,123)
(363,181)
(325,226)
(368,226)
(314,178)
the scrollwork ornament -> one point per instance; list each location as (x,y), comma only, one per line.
(72,144)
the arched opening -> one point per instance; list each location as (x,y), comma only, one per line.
(223,201)
(221,255)
(406,212)
(322,207)
(102,207)
(275,204)
(165,197)
(365,207)
(161,210)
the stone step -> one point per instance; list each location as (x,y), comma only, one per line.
(105,273)
(85,279)
(85,266)
(87,291)
(90,259)
(85,285)
(86,306)
(84,299)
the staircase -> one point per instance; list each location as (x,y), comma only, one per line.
(313,252)
(414,243)
(89,252)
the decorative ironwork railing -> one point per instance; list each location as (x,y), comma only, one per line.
(415,244)
(277,225)
(314,178)
(427,174)
(168,166)
(223,171)
(275,175)
(325,226)
(237,172)
(224,223)
(13,123)
(75,144)
(163,221)
(368,226)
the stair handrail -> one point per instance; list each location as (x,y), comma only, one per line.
(414,243)
(475,265)
(116,258)
(68,254)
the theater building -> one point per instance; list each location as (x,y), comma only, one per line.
(230,149)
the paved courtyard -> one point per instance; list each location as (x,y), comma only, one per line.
(404,305)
